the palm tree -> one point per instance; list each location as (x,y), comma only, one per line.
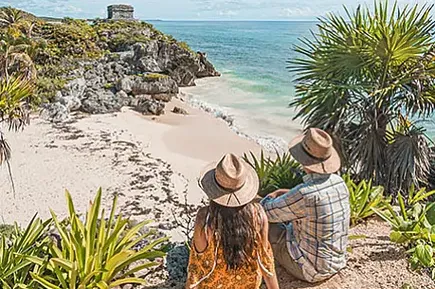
(363,80)
(14,57)
(10,16)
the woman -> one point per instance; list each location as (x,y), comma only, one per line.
(230,247)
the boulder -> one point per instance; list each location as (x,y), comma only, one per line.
(125,84)
(179,110)
(70,96)
(149,106)
(154,84)
(55,112)
(102,101)
(162,97)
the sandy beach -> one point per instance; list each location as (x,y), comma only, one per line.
(151,163)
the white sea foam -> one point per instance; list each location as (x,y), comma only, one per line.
(269,142)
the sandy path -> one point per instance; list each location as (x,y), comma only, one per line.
(150,163)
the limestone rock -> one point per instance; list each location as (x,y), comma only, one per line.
(154,84)
(102,101)
(179,110)
(183,65)
(55,112)
(125,84)
(150,106)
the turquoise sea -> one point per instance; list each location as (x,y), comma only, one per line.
(256,86)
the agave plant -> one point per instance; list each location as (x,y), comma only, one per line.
(356,78)
(97,253)
(16,248)
(9,16)
(279,173)
(363,198)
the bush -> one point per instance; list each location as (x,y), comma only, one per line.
(17,249)
(280,173)
(413,225)
(97,253)
(363,198)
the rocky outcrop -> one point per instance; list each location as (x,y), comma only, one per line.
(183,65)
(145,76)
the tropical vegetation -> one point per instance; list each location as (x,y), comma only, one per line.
(366,77)
(98,252)
(275,173)
(413,225)
(363,198)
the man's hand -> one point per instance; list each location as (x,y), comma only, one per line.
(278,193)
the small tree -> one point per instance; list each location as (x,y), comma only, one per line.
(17,76)
(363,80)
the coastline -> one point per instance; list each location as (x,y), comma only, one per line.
(151,163)
(271,133)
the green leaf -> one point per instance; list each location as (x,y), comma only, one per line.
(424,253)
(398,237)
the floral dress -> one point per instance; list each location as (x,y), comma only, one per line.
(208,270)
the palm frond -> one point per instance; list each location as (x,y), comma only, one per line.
(354,77)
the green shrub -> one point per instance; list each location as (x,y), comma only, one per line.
(363,198)
(71,39)
(97,253)
(18,249)
(47,87)
(280,173)
(413,225)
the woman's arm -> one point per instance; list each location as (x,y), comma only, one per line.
(199,241)
(271,281)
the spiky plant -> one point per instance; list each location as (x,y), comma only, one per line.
(15,58)
(10,16)
(431,178)
(282,172)
(357,78)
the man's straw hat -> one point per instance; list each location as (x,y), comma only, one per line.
(314,150)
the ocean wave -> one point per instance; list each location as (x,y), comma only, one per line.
(269,143)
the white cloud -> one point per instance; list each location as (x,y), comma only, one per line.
(297,12)
(196,9)
(228,13)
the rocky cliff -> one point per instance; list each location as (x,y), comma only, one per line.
(102,66)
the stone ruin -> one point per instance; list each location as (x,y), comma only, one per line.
(120,12)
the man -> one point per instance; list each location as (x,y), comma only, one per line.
(310,223)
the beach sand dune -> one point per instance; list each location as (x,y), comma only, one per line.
(151,163)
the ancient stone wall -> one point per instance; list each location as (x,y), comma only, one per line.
(120,12)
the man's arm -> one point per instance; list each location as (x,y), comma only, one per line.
(284,205)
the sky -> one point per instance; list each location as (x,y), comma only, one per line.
(194,9)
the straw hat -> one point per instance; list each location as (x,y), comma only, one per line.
(314,150)
(230,183)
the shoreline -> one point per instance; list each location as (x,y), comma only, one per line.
(274,141)
(150,162)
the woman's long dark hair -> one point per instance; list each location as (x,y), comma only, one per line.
(237,231)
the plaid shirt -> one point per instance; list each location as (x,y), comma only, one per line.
(318,214)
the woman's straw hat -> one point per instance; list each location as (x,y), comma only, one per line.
(230,183)
(315,151)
